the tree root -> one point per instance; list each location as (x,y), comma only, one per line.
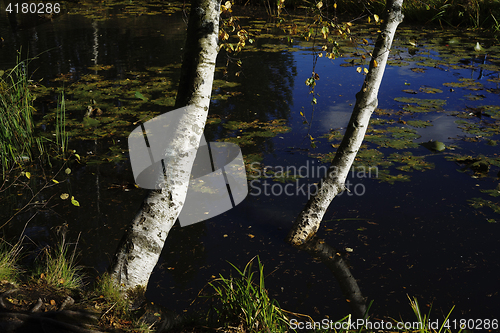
(62,320)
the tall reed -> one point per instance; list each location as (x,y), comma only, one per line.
(16,117)
(246,302)
(61,135)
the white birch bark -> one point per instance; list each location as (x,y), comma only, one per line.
(307,223)
(140,248)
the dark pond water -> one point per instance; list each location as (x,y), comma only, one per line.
(410,229)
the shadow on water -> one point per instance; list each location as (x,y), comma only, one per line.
(412,231)
(329,256)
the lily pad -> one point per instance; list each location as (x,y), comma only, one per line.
(434,145)
(429,90)
(419,123)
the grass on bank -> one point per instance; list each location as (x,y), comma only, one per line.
(245,303)
(58,267)
(9,256)
(241,303)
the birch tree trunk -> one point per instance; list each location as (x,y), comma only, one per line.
(307,223)
(140,248)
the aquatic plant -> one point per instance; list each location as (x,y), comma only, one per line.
(246,302)
(17,137)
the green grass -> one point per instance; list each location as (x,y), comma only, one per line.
(244,301)
(18,138)
(111,294)
(9,255)
(423,319)
(16,117)
(58,268)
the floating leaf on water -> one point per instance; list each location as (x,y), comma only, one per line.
(411,162)
(400,63)
(424,105)
(250,235)
(90,122)
(470,84)
(55,181)
(419,123)
(494,193)
(434,145)
(476,97)
(384,176)
(67,171)
(28,175)
(480,203)
(64,196)
(74,202)
(429,90)
(140,96)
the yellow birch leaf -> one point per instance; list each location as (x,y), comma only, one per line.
(74,202)
(28,175)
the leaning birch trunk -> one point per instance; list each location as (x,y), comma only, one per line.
(140,248)
(308,221)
